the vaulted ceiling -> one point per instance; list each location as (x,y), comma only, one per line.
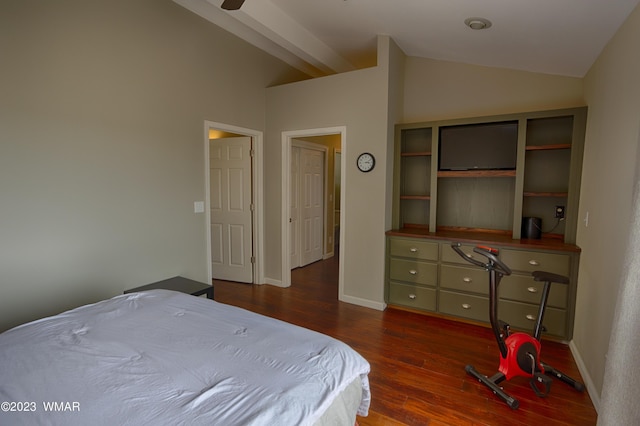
(323,37)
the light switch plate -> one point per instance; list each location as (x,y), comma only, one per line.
(198,207)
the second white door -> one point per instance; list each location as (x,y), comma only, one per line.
(307,207)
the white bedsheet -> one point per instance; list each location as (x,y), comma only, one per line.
(166,358)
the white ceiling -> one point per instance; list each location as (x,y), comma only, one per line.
(323,37)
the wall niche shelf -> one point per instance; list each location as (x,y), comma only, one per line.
(548,147)
(416,154)
(476,173)
(415,197)
(546,194)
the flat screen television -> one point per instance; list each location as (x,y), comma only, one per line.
(487,146)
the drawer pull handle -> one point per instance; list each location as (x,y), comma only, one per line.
(413,272)
(413,250)
(534,262)
(412,296)
(531,317)
(467,280)
(532,290)
(466,306)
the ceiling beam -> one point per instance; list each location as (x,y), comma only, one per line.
(266,27)
(270,21)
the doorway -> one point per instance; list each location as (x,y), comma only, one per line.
(251,263)
(289,139)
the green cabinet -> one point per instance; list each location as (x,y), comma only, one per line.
(412,296)
(523,316)
(412,271)
(413,249)
(440,281)
(463,305)
(407,270)
(521,287)
(529,261)
(461,278)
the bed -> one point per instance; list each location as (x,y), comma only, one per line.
(167,358)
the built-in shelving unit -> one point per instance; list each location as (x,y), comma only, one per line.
(433,208)
(547,174)
(414,183)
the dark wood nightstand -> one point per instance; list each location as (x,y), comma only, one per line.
(181,284)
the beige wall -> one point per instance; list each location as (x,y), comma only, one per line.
(395,100)
(436,90)
(357,100)
(102,112)
(612,90)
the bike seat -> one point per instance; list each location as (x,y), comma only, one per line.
(549,277)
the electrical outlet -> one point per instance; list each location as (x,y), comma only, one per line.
(559,212)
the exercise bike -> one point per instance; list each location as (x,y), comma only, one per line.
(519,352)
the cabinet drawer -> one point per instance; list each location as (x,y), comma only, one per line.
(412,296)
(474,280)
(523,316)
(523,288)
(530,261)
(413,271)
(449,255)
(464,305)
(413,248)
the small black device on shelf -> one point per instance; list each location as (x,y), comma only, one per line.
(531,228)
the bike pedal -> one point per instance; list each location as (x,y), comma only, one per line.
(541,384)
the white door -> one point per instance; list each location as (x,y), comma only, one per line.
(294,209)
(231,215)
(306,208)
(312,205)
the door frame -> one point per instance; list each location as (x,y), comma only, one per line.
(336,153)
(257,194)
(287,138)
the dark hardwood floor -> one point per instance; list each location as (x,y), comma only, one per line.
(417,361)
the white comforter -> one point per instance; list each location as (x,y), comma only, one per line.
(166,358)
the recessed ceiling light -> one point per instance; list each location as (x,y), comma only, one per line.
(477,23)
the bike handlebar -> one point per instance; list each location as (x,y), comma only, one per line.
(488,252)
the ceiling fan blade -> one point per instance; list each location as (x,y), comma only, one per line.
(232,4)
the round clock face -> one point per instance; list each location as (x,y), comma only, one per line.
(366,162)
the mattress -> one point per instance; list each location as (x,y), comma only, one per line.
(162,357)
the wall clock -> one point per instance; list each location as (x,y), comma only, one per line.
(366,162)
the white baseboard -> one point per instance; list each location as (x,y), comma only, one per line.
(380,306)
(277,283)
(586,377)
